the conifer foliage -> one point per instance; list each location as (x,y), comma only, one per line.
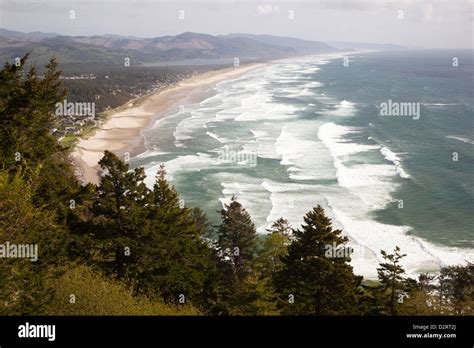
(237,239)
(312,283)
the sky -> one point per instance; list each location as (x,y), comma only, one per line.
(420,23)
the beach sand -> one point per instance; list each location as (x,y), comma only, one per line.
(120,131)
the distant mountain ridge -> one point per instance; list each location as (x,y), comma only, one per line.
(282,41)
(31,36)
(186,46)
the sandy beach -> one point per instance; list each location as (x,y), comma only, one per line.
(120,131)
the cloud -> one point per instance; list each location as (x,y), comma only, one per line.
(428,11)
(267,9)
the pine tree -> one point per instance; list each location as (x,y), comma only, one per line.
(237,239)
(311,282)
(274,248)
(26,148)
(179,255)
(420,299)
(391,276)
(23,290)
(456,289)
(118,216)
(233,256)
(27,106)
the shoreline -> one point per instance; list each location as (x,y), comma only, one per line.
(120,130)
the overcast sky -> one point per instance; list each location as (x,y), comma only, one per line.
(437,23)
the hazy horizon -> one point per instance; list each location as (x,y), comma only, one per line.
(437,24)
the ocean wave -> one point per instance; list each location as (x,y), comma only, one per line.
(292,200)
(188,163)
(249,193)
(258,134)
(260,107)
(150,153)
(422,256)
(312,84)
(313,69)
(305,92)
(344,108)
(464,140)
(265,138)
(439,104)
(306,158)
(222,140)
(332,135)
(392,157)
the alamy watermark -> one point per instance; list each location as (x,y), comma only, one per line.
(75,109)
(392,108)
(28,330)
(24,251)
(227,155)
(341,251)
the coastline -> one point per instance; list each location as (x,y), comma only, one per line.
(120,131)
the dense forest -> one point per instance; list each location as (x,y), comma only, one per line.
(109,86)
(121,248)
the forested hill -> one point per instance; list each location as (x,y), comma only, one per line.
(112,49)
(112,69)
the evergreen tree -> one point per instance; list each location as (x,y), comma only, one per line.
(419,301)
(237,239)
(26,147)
(27,108)
(179,256)
(23,290)
(274,248)
(202,222)
(233,255)
(391,277)
(312,282)
(118,219)
(456,289)
(27,104)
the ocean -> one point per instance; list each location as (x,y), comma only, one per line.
(300,132)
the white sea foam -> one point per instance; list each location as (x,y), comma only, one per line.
(259,134)
(259,107)
(150,153)
(222,140)
(266,140)
(308,159)
(305,92)
(422,256)
(291,148)
(344,108)
(185,129)
(392,157)
(464,140)
(332,135)
(249,192)
(313,84)
(188,163)
(292,201)
(439,104)
(313,70)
